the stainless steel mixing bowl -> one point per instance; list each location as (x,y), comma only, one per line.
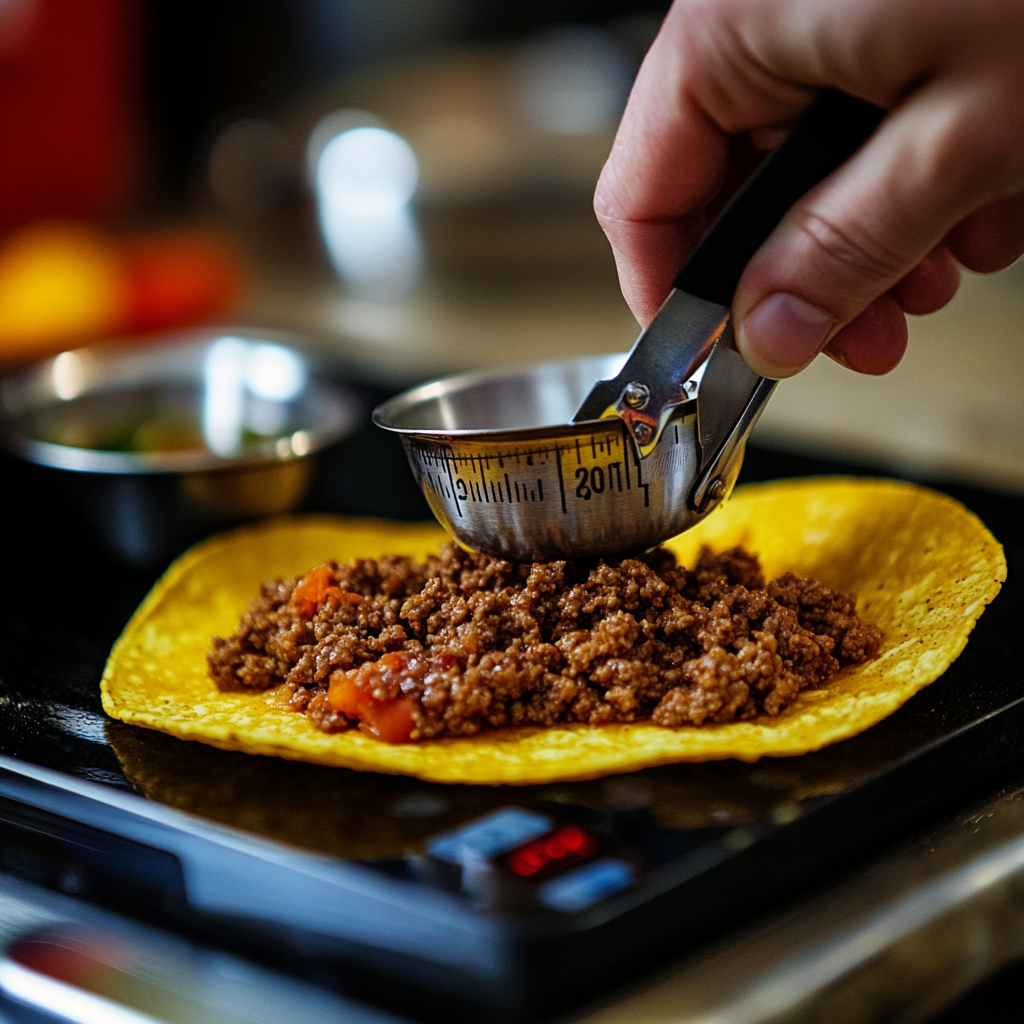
(505,472)
(160,441)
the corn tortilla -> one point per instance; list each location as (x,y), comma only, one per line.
(922,566)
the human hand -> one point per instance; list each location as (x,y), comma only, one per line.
(940,183)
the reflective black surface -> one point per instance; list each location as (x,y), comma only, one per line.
(65,600)
(773,827)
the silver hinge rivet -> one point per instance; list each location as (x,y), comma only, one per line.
(636,395)
(642,432)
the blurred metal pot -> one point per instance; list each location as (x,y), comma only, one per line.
(161,441)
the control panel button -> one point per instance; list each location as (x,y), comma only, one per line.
(587,885)
(490,836)
(550,853)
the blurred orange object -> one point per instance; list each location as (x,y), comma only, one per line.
(58,284)
(61,284)
(179,278)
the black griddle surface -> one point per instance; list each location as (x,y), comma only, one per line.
(65,601)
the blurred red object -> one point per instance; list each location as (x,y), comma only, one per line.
(67,133)
(65,283)
(178,278)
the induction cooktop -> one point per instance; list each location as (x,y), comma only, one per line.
(444,902)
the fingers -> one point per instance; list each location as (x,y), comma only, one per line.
(874,225)
(647,256)
(650,198)
(783,333)
(930,285)
(649,252)
(874,341)
(991,238)
(942,180)
(670,161)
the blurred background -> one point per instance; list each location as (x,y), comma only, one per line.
(405,186)
(408,184)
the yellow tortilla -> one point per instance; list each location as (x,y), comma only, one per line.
(923,568)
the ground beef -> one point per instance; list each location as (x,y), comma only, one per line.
(465,642)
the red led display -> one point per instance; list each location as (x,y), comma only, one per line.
(559,849)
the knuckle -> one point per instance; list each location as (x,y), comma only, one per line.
(848,252)
(976,151)
(980,164)
(609,213)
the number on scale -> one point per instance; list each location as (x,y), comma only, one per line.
(584,469)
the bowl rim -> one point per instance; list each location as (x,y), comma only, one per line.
(338,405)
(387,414)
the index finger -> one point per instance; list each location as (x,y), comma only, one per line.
(670,159)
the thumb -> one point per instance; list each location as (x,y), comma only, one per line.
(863,229)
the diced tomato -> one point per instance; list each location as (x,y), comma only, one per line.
(312,591)
(343,596)
(390,721)
(351,693)
(346,696)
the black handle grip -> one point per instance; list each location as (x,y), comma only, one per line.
(834,128)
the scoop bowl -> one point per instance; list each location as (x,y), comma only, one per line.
(505,472)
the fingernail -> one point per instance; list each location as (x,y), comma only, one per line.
(783,333)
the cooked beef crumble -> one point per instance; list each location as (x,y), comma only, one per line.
(465,642)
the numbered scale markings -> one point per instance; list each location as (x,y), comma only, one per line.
(587,468)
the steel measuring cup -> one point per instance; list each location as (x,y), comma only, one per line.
(611,454)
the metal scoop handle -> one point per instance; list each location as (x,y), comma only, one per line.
(831,131)
(679,340)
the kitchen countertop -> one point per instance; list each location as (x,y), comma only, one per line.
(951,410)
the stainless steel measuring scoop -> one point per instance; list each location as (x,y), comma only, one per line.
(541,462)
